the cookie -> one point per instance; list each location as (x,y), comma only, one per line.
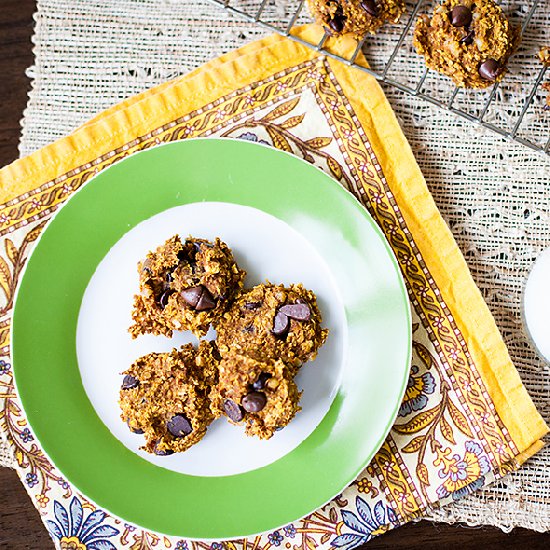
(166,397)
(261,395)
(544,56)
(357,17)
(185,285)
(469,41)
(273,322)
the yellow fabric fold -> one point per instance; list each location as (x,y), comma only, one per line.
(393,174)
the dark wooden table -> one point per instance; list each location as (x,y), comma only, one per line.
(20,525)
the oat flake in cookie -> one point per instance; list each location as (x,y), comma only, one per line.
(467,40)
(261,395)
(185,286)
(164,397)
(273,322)
(357,17)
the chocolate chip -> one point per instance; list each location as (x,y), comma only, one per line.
(249,329)
(279,428)
(169,277)
(138,431)
(252,305)
(198,297)
(206,301)
(469,38)
(232,410)
(162,452)
(200,244)
(370,7)
(490,69)
(179,425)
(163,300)
(146,267)
(182,255)
(191,296)
(129,382)
(188,252)
(281,324)
(260,382)
(192,248)
(299,312)
(215,351)
(337,23)
(461,16)
(254,402)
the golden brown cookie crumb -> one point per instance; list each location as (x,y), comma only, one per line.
(469,41)
(185,286)
(357,17)
(544,55)
(166,397)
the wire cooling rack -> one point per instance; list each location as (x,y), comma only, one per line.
(514,108)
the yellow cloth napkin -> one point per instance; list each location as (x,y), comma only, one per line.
(466,418)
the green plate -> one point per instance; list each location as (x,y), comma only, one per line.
(372,360)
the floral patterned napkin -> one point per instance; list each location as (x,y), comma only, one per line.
(466,419)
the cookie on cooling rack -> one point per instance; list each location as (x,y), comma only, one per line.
(544,56)
(469,41)
(357,17)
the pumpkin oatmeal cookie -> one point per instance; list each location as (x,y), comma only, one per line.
(262,395)
(273,322)
(185,285)
(165,397)
(468,40)
(357,17)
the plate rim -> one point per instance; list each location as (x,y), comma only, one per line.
(335,184)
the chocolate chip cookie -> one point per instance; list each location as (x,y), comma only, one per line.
(357,17)
(262,395)
(467,40)
(544,56)
(273,322)
(166,397)
(185,285)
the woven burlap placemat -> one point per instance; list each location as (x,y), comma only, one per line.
(494,194)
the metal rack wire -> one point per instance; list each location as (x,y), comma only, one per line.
(514,108)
